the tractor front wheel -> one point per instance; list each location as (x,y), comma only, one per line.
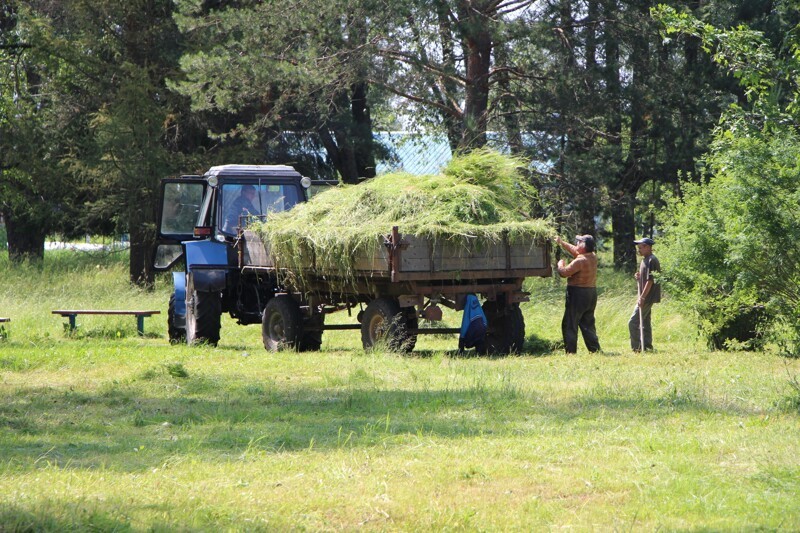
(176,334)
(203,314)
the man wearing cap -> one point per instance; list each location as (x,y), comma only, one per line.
(581,274)
(649,293)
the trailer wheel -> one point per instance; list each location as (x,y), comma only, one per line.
(282,324)
(384,321)
(203,313)
(176,334)
(412,322)
(506,329)
(311,340)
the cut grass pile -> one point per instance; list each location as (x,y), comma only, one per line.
(482,196)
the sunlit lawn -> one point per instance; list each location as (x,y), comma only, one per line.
(105,430)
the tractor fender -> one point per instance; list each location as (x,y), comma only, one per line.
(208,263)
(208,280)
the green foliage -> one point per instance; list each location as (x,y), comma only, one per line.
(732,247)
(731,252)
(482,195)
(768,73)
(741,50)
(290,80)
(35,196)
(92,127)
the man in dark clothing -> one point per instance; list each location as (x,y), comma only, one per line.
(242,206)
(581,274)
(649,293)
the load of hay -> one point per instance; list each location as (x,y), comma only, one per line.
(482,196)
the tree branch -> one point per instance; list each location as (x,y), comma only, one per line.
(411,59)
(452,111)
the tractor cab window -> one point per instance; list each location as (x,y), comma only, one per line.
(241,203)
(180,208)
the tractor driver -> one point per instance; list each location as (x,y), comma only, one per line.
(243,206)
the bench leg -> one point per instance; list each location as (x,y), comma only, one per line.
(140,325)
(72,325)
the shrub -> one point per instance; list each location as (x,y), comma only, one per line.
(731,249)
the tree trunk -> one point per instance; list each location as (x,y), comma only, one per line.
(593,16)
(349,142)
(25,237)
(446,88)
(341,153)
(142,230)
(622,220)
(636,169)
(141,255)
(477,44)
(624,228)
(362,131)
(509,104)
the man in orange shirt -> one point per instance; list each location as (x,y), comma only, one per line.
(581,274)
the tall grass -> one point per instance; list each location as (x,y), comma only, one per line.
(69,279)
(107,432)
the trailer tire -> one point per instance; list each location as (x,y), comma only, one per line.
(176,334)
(282,324)
(385,322)
(412,322)
(203,313)
(311,339)
(506,329)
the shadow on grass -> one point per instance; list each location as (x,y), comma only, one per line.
(158,416)
(107,332)
(79,519)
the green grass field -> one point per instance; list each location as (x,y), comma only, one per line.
(104,430)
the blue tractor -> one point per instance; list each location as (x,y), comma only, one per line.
(199,222)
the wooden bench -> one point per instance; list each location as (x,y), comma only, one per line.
(5,319)
(140,316)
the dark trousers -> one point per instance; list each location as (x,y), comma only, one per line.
(579,313)
(633,328)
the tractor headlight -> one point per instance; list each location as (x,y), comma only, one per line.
(305,182)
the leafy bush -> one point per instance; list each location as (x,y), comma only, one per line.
(731,249)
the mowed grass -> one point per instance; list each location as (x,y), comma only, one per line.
(106,430)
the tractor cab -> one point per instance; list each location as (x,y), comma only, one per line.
(215,205)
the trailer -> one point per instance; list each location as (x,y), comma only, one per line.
(394,289)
